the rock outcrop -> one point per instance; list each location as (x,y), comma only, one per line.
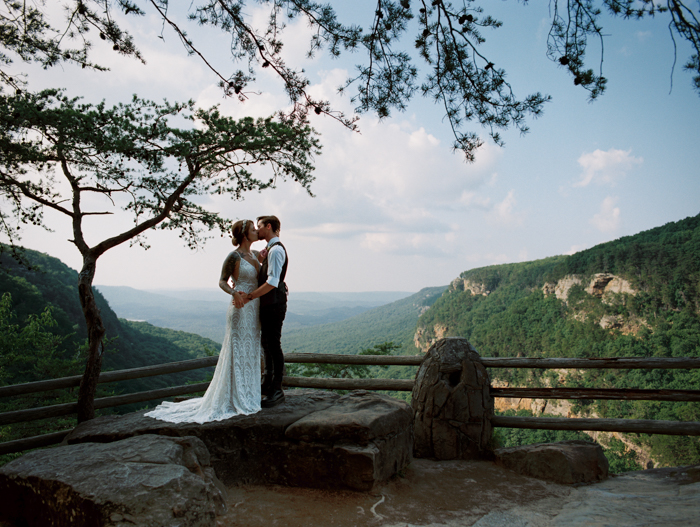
(147,480)
(439,331)
(611,321)
(314,439)
(561,290)
(565,462)
(598,284)
(602,285)
(619,286)
(475,288)
(451,403)
(627,325)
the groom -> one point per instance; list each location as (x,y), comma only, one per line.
(272,292)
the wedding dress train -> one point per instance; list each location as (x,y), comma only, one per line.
(235,387)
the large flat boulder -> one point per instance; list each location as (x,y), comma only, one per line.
(363,439)
(146,480)
(567,462)
(314,439)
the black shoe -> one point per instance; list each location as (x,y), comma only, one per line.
(275,398)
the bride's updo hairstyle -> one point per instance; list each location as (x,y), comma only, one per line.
(240,231)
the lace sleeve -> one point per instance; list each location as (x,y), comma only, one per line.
(228,270)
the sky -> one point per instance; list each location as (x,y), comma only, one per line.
(394,208)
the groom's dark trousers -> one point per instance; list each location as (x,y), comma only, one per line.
(273,308)
(271,319)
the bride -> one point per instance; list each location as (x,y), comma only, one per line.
(235,388)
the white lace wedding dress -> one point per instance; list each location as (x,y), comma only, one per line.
(235,388)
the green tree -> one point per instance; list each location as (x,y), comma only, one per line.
(449,38)
(136,158)
(30,352)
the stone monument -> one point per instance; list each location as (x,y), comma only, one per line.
(452,405)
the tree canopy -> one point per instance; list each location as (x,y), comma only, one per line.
(58,153)
(137,158)
(438,40)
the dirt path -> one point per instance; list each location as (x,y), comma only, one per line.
(476,493)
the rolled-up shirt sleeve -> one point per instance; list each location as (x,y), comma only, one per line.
(275,262)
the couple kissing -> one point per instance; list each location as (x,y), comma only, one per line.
(255,281)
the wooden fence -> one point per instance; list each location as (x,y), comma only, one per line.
(606,425)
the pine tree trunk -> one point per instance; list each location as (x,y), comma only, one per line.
(95,331)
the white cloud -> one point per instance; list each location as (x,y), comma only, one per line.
(606,167)
(392,189)
(574,249)
(422,140)
(496,259)
(474,200)
(608,217)
(504,212)
(543,29)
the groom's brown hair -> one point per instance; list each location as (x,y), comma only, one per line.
(272,220)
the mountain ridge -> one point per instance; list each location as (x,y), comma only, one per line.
(633,297)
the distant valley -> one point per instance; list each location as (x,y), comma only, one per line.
(203,311)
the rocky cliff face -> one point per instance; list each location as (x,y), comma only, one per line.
(475,288)
(602,285)
(424,339)
(609,288)
(562,287)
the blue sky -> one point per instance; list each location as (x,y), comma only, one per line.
(395,209)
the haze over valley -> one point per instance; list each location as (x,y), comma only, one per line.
(203,311)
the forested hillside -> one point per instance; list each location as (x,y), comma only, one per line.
(395,322)
(636,296)
(392,324)
(49,282)
(42,335)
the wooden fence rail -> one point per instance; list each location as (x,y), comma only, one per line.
(597,393)
(109,376)
(368,360)
(622,363)
(640,426)
(58,410)
(619,425)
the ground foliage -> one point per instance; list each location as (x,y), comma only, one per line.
(31,351)
(50,283)
(516,319)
